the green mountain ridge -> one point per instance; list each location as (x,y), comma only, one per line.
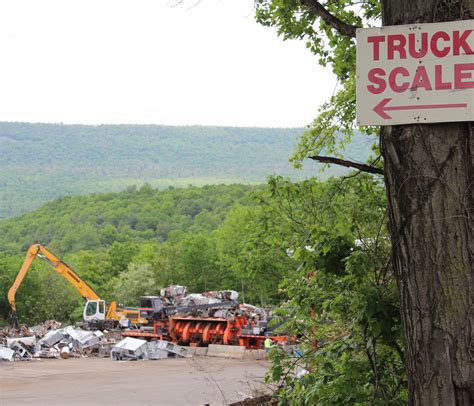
(96,221)
(41,162)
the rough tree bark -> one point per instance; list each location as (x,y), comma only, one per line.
(429,178)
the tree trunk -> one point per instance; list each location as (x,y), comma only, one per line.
(430,185)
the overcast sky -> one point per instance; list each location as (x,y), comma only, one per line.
(143,61)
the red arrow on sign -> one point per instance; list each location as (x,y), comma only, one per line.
(381,107)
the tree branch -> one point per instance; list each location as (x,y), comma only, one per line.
(339,25)
(347,164)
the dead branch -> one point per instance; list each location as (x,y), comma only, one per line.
(347,164)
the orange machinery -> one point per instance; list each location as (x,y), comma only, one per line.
(194,331)
(202,331)
(198,325)
(197,331)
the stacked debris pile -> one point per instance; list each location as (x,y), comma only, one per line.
(176,295)
(209,304)
(221,304)
(22,331)
(172,294)
(42,329)
(48,340)
(136,349)
(175,300)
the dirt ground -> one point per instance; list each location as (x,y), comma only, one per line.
(101,381)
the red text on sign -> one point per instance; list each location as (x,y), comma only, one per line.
(417,45)
(400,79)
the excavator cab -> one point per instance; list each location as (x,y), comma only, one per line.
(94,310)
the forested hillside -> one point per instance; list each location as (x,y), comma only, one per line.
(40,162)
(96,221)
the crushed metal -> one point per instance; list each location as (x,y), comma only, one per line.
(6,354)
(132,349)
(48,340)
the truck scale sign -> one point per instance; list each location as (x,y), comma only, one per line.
(422,73)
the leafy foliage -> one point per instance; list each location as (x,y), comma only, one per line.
(342,300)
(245,245)
(138,280)
(295,20)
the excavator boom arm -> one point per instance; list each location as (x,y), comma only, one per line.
(37,250)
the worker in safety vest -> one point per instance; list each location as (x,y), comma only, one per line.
(267,343)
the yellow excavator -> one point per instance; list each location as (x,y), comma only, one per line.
(95,314)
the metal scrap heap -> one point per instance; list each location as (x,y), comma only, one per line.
(135,349)
(48,340)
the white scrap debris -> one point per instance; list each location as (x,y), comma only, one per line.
(170,348)
(21,350)
(48,340)
(134,349)
(65,342)
(154,352)
(6,354)
(91,339)
(51,338)
(24,340)
(129,348)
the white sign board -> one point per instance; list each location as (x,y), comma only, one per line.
(421,73)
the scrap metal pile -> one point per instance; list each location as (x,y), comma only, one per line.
(134,349)
(49,340)
(175,300)
(172,319)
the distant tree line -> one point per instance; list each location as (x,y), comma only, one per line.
(40,162)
